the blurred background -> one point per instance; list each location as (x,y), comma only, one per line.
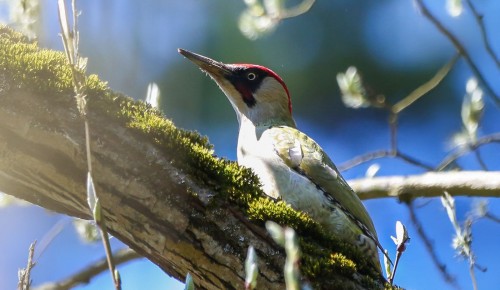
(394,47)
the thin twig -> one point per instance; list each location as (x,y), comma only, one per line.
(460,48)
(71,42)
(473,276)
(413,161)
(382,154)
(87,144)
(492,217)
(360,159)
(430,247)
(109,254)
(24,282)
(86,274)
(425,87)
(480,160)
(393,129)
(394,111)
(482,28)
(462,150)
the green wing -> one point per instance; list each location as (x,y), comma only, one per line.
(306,157)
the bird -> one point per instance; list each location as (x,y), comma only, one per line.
(290,165)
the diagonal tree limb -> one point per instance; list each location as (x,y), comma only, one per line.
(163,192)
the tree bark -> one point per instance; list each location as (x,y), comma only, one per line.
(161,190)
(148,203)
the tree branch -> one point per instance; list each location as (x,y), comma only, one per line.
(161,189)
(432,184)
(84,276)
(150,204)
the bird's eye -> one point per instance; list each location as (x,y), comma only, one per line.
(251,76)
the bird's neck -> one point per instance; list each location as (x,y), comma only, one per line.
(251,131)
(246,121)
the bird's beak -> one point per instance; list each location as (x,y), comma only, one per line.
(213,68)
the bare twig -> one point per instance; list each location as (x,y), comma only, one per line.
(482,28)
(394,111)
(109,255)
(24,274)
(431,184)
(430,247)
(460,48)
(425,87)
(473,277)
(88,273)
(382,154)
(393,129)
(462,150)
(480,160)
(71,41)
(413,161)
(462,240)
(492,217)
(360,159)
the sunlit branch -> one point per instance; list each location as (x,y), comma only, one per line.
(425,87)
(431,184)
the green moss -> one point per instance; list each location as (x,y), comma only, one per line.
(335,263)
(264,209)
(48,73)
(41,70)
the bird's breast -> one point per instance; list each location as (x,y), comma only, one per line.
(280,181)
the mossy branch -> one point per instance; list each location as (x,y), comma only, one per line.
(162,190)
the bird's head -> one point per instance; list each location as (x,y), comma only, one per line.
(255,92)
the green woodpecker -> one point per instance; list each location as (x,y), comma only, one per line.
(290,165)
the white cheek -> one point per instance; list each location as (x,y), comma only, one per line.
(270,87)
(271,100)
(234,97)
